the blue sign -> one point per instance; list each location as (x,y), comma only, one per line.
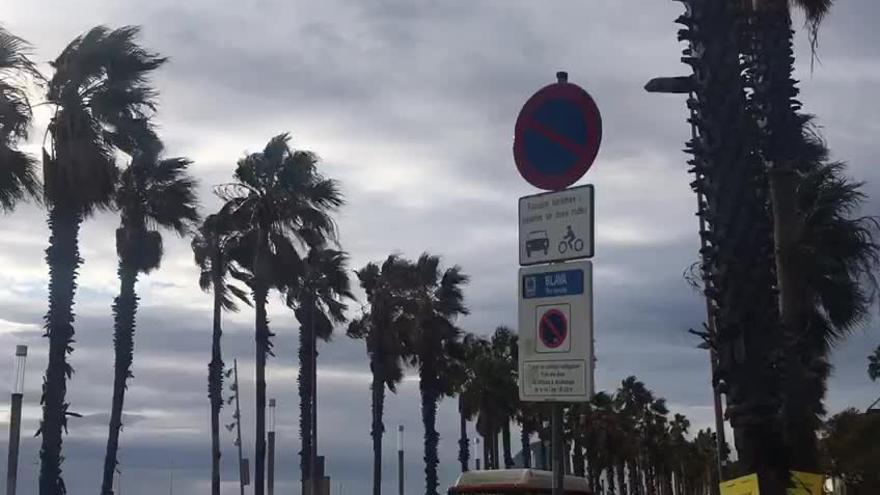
(557,136)
(553,284)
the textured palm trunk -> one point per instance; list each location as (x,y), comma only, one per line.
(774,96)
(578,457)
(463,442)
(620,471)
(262,345)
(609,480)
(487,451)
(305,402)
(738,259)
(542,437)
(124,309)
(63,259)
(378,428)
(526,443)
(496,452)
(429,420)
(215,380)
(262,335)
(505,438)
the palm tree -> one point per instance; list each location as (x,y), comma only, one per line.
(505,350)
(102,101)
(471,349)
(874,364)
(278,201)
(489,390)
(152,193)
(210,248)
(18,176)
(774,95)
(838,255)
(440,301)
(387,328)
(318,297)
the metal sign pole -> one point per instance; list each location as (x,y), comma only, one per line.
(556,442)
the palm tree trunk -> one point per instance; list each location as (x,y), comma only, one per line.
(542,437)
(526,443)
(487,449)
(63,259)
(124,309)
(775,93)
(378,428)
(505,438)
(463,442)
(305,402)
(609,479)
(496,457)
(621,477)
(215,384)
(429,420)
(262,344)
(578,456)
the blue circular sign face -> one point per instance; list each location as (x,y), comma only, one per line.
(553,328)
(557,136)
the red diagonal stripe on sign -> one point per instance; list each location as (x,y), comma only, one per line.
(557,138)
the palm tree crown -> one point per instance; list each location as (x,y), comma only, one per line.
(103,102)
(18,176)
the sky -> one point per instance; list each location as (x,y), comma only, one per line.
(411,105)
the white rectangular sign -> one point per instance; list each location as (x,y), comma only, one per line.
(556,332)
(556,226)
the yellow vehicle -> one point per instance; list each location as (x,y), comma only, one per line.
(515,482)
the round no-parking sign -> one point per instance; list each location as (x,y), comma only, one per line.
(557,136)
(553,328)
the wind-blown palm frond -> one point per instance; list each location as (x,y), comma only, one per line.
(18,176)
(210,247)
(103,101)
(839,249)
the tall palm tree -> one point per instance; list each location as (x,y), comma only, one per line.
(152,193)
(318,298)
(387,328)
(278,202)
(471,349)
(102,101)
(774,96)
(18,175)
(210,248)
(489,391)
(440,301)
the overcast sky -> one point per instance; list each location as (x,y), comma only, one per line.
(411,105)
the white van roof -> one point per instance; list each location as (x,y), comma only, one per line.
(515,480)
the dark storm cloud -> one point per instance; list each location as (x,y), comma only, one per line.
(411,106)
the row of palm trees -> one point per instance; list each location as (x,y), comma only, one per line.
(102,105)
(621,442)
(273,232)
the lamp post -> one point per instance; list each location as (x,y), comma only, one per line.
(271,465)
(400,459)
(15,419)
